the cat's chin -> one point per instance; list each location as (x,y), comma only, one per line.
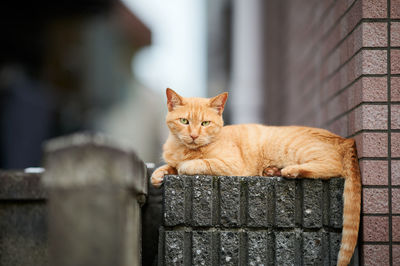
(194,145)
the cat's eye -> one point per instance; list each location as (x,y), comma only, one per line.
(184,121)
(205,123)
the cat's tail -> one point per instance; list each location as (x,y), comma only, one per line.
(351,204)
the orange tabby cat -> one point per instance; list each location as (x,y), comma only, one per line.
(198,143)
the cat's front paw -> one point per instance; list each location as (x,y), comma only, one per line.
(290,171)
(191,167)
(157,177)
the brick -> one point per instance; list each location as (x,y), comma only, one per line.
(375,200)
(336,202)
(285,203)
(368,89)
(202,201)
(374,89)
(204,248)
(334,246)
(260,248)
(230,246)
(375,228)
(260,204)
(396,228)
(370,117)
(395,172)
(287,246)
(374,8)
(231,198)
(374,116)
(395,116)
(351,19)
(374,172)
(175,205)
(312,203)
(371,144)
(395,33)
(395,137)
(395,61)
(177,246)
(395,88)
(375,255)
(313,249)
(396,200)
(374,34)
(372,62)
(395,9)
(396,254)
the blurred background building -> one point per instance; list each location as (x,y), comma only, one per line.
(65,67)
(103,65)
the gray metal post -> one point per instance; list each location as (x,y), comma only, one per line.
(95,192)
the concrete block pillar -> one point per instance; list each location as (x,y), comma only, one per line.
(95,192)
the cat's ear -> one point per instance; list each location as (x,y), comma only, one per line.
(173,99)
(218,102)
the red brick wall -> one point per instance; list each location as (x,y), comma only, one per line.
(342,69)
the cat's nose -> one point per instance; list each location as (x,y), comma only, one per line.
(194,136)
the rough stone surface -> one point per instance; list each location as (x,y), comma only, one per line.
(313,249)
(174,199)
(285,203)
(334,244)
(287,248)
(175,248)
(251,221)
(202,201)
(230,248)
(261,209)
(231,201)
(203,248)
(260,248)
(336,202)
(312,203)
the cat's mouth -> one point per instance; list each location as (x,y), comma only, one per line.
(193,144)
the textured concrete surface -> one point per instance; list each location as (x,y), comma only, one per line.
(23,223)
(230,220)
(18,185)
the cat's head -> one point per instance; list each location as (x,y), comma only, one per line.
(195,122)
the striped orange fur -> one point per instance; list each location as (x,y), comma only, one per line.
(199,143)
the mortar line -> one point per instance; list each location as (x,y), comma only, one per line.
(367,131)
(376,186)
